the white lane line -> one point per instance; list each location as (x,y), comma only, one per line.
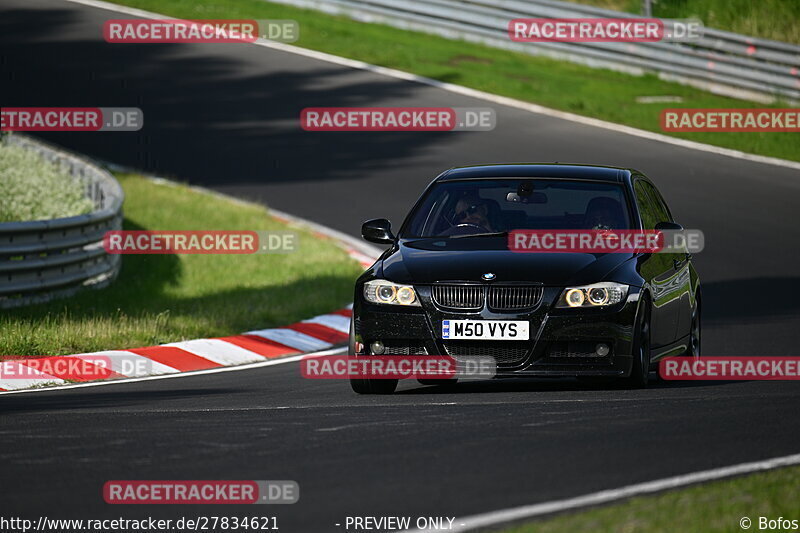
(337,322)
(474,93)
(363,424)
(495,518)
(127,363)
(290,337)
(537,403)
(247,409)
(33,377)
(218,351)
(271,362)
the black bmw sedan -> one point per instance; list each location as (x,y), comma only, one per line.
(450,285)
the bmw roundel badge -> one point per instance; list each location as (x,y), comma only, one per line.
(489,276)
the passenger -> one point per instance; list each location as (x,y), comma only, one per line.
(604,213)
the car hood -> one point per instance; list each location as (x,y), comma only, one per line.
(423,261)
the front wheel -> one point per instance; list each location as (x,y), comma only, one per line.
(373,386)
(693,350)
(640,373)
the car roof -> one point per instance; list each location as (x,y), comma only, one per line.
(537,170)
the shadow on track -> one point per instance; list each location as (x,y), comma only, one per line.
(495,386)
(746,300)
(216,114)
(56,401)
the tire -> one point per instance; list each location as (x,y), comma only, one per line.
(373,386)
(368,386)
(693,350)
(640,371)
(359,386)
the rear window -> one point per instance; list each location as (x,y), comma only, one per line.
(487,206)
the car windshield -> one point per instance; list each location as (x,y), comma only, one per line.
(495,206)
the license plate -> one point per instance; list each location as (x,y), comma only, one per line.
(490,330)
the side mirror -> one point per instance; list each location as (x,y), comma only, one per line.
(378,230)
(667,226)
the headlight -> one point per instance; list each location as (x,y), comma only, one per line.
(595,295)
(385,292)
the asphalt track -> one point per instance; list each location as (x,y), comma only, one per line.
(225,117)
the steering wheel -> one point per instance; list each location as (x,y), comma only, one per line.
(460,229)
(468,224)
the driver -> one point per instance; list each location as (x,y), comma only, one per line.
(473,211)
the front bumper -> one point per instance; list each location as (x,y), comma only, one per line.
(562,342)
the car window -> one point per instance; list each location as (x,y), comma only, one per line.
(662,211)
(499,205)
(647,206)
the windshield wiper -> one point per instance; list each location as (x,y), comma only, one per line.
(495,234)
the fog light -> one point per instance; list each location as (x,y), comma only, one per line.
(377,347)
(602,350)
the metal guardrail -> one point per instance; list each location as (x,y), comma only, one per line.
(44,259)
(720,62)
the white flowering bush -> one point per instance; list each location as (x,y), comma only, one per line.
(32,188)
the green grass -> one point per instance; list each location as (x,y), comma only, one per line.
(32,188)
(596,93)
(166,298)
(769,19)
(708,508)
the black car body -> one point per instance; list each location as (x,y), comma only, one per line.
(479,278)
